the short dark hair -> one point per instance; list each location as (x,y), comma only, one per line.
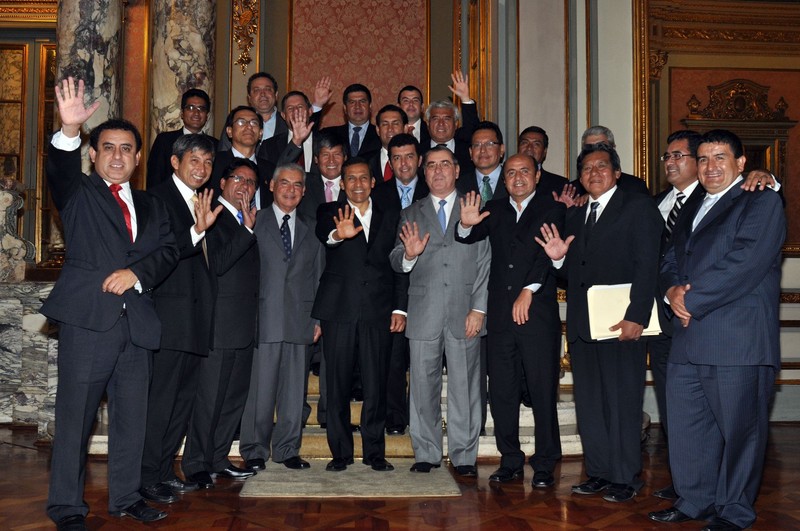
(603,147)
(410,87)
(195,93)
(489,126)
(438,149)
(356,87)
(229,119)
(404,139)
(193,142)
(391,108)
(326,138)
(239,163)
(723,136)
(294,93)
(692,137)
(119,124)
(353,161)
(536,129)
(259,75)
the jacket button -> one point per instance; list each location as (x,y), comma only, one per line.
(511,266)
(508,288)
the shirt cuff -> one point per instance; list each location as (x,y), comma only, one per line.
(64,142)
(558,263)
(138,286)
(533,287)
(479,311)
(408,265)
(400,312)
(462,232)
(196,238)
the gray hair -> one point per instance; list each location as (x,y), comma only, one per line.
(443,104)
(599,130)
(289,166)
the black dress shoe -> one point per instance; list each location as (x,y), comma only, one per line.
(337,464)
(395,430)
(159,493)
(234,472)
(142,512)
(669,516)
(505,474)
(315,369)
(667,493)
(203,480)
(619,493)
(181,487)
(357,395)
(323,425)
(355,428)
(543,479)
(75,522)
(378,464)
(467,471)
(255,464)
(295,463)
(593,485)
(423,467)
(720,524)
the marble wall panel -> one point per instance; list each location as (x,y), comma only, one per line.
(11,73)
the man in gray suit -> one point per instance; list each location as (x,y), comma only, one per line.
(447,298)
(291,265)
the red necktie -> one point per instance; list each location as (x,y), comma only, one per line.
(115,188)
(387,172)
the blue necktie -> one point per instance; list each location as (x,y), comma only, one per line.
(405,199)
(286,236)
(240,217)
(355,142)
(442,219)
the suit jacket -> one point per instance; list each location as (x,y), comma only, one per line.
(623,248)
(159,167)
(280,127)
(279,150)
(424,134)
(184,300)
(469,183)
(98,244)
(732,261)
(358,283)
(626,182)
(462,137)
(234,263)
(385,194)
(447,281)
(315,196)
(224,158)
(516,263)
(550,182)
(288,286)
(369,146)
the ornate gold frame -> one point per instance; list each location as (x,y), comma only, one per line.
(28,14)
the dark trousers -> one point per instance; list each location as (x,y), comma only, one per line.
(173,386)
(89,365)
(221,394)
(368,344)
(658,348)
(516,359)
(397,383)
(609,388)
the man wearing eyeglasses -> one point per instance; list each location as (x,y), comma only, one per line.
(195,106)
(486,152)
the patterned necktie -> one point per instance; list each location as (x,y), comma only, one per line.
(328,191)
(405,199)
(115,188)
(286,236)
(355,142)
(592,219)
(486,189)
(673,214)
(441,215)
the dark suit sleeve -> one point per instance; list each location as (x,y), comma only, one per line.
(478,232)
(63,174)
(646,235)
(157,161)
(325,224)
(226,247)
(543,265)
(152,269)
(469,121)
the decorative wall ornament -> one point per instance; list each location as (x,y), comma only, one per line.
(738,99)
(658,59)
(245,27)
(29,12)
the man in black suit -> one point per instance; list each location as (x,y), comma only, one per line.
(391,120)
(533,141)
(600,134)
(119,246)
(325,186)
(524,326)
(224,378)
(486,152)
(195,106)
(614,240)
(359,303)
(296,144)
(357,133)
(184,302)
(410,100)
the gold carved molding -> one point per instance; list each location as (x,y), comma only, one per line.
(30,13)
(245,28)
(658,60)
(738,99)
(641,86)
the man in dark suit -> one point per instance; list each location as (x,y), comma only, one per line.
(524,327)
(410,100)
(292,259)
(296,144)
(722,279)
(614,240)
(359,303)
(486,152)
(184,302)
(357,133)
(195,106)
(533,141)
(262,95)
(600,134)
(391,120)
(119,245)
(224,377)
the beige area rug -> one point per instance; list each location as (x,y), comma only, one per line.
(358,481)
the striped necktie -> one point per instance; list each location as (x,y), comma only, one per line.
(673,214)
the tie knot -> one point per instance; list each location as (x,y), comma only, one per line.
(679,195)
(442,202)
(441,145)
(357,129)
(486,178)
(115,188)
(329,184)
(194,198)
(594,206)
(286,217)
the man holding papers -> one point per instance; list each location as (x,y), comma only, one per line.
(613,239)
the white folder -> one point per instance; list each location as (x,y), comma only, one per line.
(607,306)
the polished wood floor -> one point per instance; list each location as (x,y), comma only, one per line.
(24,476)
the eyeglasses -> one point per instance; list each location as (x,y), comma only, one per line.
(192,107)
(242,179)
(442,164)
(488,145)
(241,122)
(675,155)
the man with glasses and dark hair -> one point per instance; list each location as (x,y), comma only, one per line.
(410,100)
(486,152)
(195,106)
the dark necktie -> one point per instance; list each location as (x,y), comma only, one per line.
(286,236)
(355,142)
(115,188)
(486,189)
(301,160)
(673,214)
(592,219)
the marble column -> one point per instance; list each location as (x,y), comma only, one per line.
(183,58)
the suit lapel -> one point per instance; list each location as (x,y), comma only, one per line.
(605,222)
(112,207)
(720,207)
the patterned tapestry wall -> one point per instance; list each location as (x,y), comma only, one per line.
(379,43)
(12,82)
